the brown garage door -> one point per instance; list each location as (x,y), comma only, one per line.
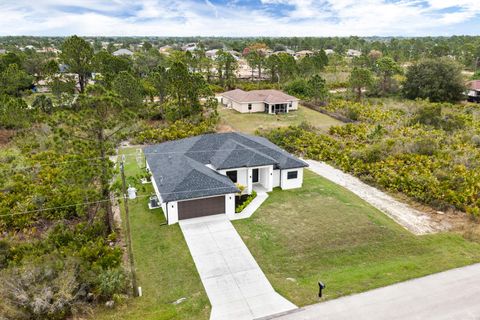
(201,207)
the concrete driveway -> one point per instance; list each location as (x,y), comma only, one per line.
(451,295)
(235,284)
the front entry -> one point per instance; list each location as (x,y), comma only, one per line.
(255,175)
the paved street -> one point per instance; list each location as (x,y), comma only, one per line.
(453,294)
(235,284)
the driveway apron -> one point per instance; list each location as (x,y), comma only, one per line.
(235,284)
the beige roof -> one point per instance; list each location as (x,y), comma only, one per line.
(268,96)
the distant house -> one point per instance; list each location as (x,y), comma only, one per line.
(473,92)
(165,49)
(268,101)
(189,47)
(3,51)
(353,53)
(303,53)
(329,51)
(122,52)
(212,54)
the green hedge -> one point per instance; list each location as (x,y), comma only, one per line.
(242,206)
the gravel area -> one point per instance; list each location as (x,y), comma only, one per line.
(411,219)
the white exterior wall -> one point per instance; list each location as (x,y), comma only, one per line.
(294,105)
(230,204)
(265,177)
(244,177)
(243,107)
(171,212)
(286,184)
(276,178)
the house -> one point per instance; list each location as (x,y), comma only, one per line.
(268,101)
(3,51)
(200,176)
(329,51)
(212,54)
(122,52)
(303,53)
(189,47)
(473,92)
(353,53)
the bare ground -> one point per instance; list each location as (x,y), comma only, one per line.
(416,221)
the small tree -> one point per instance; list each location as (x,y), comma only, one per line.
(359,79)
(317,88)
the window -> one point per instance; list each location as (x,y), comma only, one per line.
(292,175)
(232,175)
(249,106)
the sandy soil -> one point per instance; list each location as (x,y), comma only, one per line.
(416,221)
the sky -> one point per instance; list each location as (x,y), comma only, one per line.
(240,18)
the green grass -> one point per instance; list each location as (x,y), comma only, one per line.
(250,122)
(323,232)
(165,269)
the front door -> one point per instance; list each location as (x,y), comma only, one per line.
(254,175)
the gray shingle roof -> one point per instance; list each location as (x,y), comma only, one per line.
(180,170)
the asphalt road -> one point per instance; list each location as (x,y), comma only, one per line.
(453,294)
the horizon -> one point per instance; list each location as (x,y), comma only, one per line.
(240,19)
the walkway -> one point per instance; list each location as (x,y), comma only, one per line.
(452,294)
(235,284)
(411,219)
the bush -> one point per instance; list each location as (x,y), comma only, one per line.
(111,281)
(244,204)
(298,88)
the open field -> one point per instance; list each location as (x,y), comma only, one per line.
(250,122)
(165,270)
(323,232)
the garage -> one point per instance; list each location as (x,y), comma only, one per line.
(201,207)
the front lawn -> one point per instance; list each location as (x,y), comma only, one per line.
(250,122)
(323,232)
(165,269)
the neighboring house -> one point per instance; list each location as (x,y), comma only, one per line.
(268,101)
(122,52)
(199,176)
(189,47)
(353,53)
(303,53)
(329,51)
(212,54)
(473,92)
(3,51)
(165,49)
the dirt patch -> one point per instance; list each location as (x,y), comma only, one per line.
(415,220)
(224,128)
(5,136)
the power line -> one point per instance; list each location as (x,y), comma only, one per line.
(100,201)
(127,155)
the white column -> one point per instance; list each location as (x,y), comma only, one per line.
(269,185)
(249,181)
(230,205)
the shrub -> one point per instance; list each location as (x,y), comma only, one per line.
(111,281)
(249,199)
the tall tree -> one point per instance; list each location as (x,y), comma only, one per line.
(386,69)
(14,80)
(434,79)
(77,54)
(360,78)
(95,128)
(129,89)
(317,88)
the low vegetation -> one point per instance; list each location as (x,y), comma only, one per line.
(165,269)
(425,150)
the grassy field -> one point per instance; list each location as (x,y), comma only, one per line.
(165,269)
(250,122)
(323,232)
